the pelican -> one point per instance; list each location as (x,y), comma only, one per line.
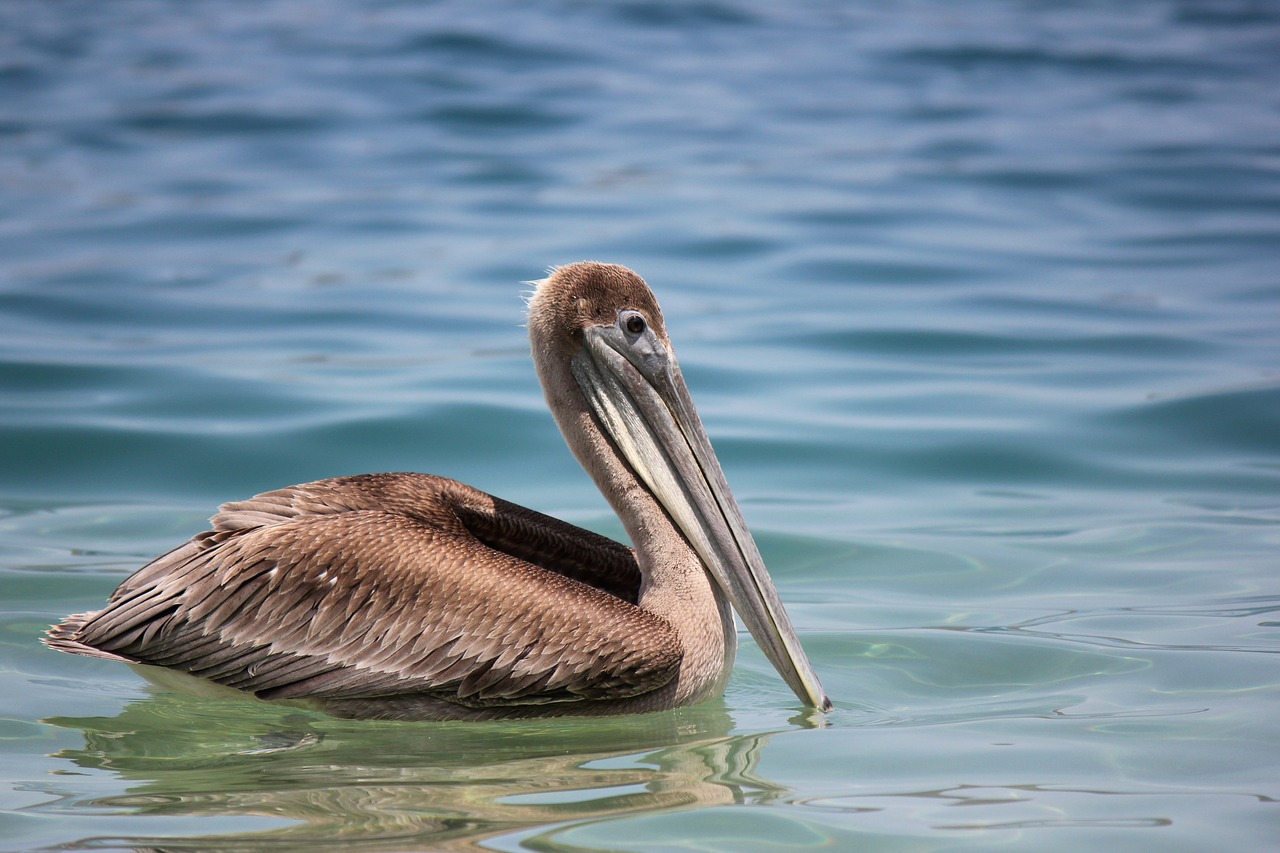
(416,597)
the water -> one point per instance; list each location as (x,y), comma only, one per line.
(979,303)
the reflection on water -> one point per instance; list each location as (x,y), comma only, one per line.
(387,786)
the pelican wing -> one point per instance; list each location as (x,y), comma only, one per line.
(389,585)
(553,544)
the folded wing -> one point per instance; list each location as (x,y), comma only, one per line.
(389,585)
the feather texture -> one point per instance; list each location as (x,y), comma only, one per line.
(386,585)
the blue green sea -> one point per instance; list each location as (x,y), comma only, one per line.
(979,302)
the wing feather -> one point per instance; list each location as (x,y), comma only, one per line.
(379,586)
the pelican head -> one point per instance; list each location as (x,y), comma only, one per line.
(611,376)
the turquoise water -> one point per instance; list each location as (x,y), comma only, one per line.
(980,304)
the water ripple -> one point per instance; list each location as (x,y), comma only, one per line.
(979,308)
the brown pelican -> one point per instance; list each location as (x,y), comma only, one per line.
(410,596)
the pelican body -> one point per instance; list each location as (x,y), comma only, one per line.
(410,596)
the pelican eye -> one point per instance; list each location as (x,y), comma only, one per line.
(634,324)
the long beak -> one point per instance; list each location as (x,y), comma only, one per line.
(639,396)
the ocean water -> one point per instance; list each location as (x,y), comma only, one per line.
(980,304)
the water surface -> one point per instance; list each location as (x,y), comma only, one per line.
(979,304)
